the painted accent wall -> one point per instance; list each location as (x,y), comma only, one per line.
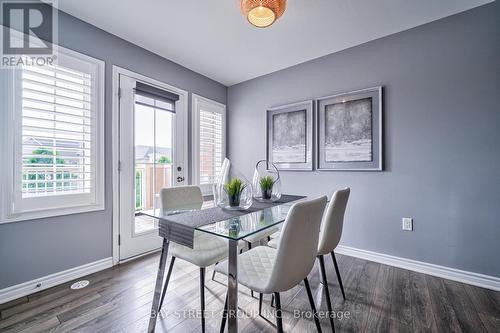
(441,142)
(36,248)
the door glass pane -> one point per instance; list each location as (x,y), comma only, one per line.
(153,161)
(163,133)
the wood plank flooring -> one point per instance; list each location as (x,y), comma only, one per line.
(380,298)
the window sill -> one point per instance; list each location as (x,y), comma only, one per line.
(51,213)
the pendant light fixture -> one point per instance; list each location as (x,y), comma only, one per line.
(262,13)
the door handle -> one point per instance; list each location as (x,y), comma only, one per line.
(180,179)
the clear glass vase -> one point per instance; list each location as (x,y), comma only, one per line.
(232,190)
(266,182)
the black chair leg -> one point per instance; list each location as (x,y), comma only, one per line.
(338,274)
(213,274)
(250,247)
(170,267)
(224,316)
(279,319)
(260,304)
(327,291)
(202,297)
(313,307)
(272,300)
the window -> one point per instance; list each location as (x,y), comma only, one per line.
(55,128)
(209,146)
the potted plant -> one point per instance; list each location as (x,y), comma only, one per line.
(266,183)
(266,186)
(234,188)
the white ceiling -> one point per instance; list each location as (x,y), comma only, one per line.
(211,37)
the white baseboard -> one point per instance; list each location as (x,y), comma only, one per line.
(33,286)
(480,280)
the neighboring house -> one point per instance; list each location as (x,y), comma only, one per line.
(145,154)
(32,143)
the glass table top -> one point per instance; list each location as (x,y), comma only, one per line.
(235,228)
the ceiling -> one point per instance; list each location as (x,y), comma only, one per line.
(211,37)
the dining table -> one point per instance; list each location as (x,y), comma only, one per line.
(180,225)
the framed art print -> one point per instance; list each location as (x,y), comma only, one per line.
(349,128)
(290,136)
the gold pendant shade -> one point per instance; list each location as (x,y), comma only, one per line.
(262,13)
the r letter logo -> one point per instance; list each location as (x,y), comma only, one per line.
(28,30)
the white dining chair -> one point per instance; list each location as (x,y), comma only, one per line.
(272,271)
(331,232)
(207,249)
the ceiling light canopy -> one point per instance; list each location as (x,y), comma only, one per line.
(262,13)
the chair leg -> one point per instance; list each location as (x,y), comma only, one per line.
(325,283)
(249,248)
(170,267)
(313,307)
(272,300)
(202,297)
(213,274)
(338,274)
(224,316)
(279,319)
(260,304)
(321,276)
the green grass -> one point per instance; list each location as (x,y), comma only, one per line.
(234,187)
(266,183)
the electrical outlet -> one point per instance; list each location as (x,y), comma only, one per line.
(407,223)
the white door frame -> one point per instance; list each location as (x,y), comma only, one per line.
(115,147)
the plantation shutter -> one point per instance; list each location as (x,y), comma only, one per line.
(54,129)
(58,123)
(211,145)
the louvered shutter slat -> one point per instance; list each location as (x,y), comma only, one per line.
(57,124)
(210,145)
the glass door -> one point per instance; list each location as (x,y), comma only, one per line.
(151,157)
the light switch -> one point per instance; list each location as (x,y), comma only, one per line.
(407,223)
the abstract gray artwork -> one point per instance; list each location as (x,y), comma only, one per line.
(289,137)
(348,131)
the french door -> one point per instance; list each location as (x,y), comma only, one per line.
(152,156)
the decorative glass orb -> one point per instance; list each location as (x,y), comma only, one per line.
(232,190)
(266,182)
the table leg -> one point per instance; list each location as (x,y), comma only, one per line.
(159,283)
(232,286)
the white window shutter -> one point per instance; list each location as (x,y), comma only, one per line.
(211,145)
(209,149)
(57,127)
(54,128)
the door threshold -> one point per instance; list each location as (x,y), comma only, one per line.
(139,256)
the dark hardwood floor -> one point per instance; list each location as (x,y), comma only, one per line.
(380,298)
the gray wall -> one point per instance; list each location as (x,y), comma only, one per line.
(442,137)
(36,248)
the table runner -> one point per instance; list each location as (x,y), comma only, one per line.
(179,228)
